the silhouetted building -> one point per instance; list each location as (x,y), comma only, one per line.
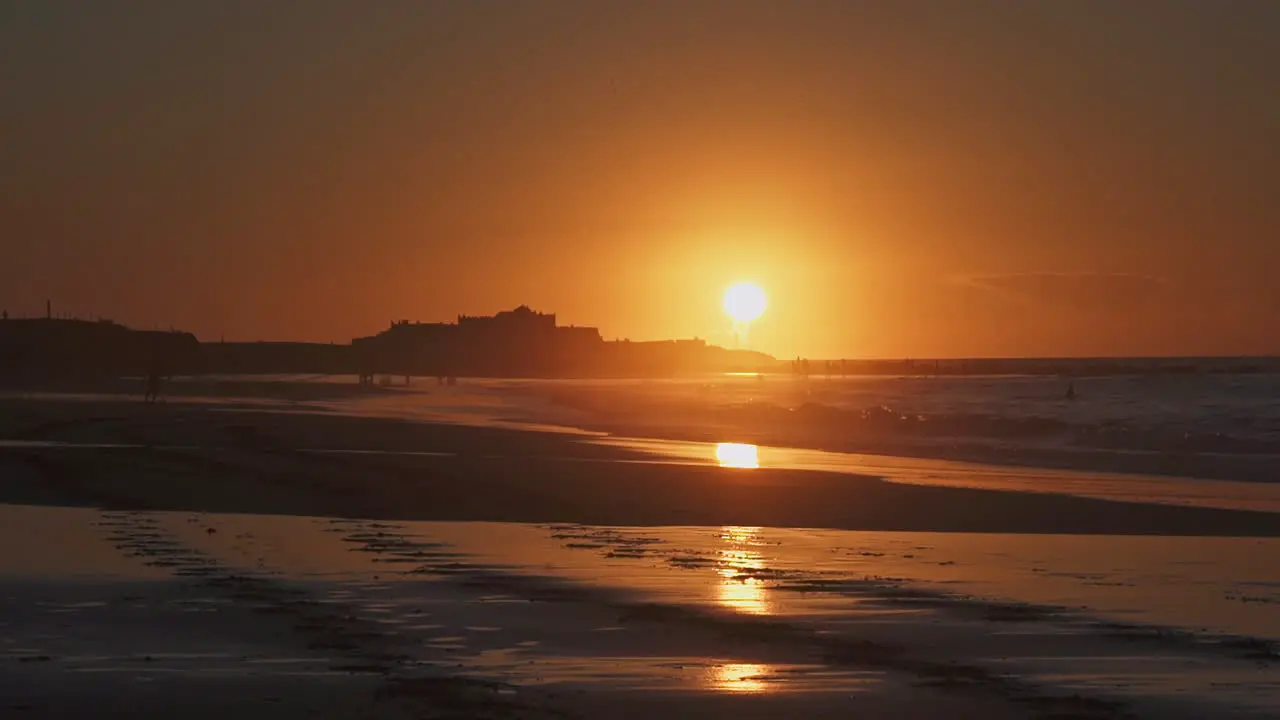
(513,343)
(526,343)
(522,320)
(519,342)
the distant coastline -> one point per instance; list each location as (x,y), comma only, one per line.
(514,343)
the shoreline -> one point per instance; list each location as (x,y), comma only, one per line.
(660,422)
(1209,467)
(240,460)
(728,424)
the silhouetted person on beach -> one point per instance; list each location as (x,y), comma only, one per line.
(1071,391)
(153,385)
(154,376)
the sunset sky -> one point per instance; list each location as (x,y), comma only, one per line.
(902,178)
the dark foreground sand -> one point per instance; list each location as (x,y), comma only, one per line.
(112,610)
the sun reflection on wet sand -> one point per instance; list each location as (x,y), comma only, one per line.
(739,677)
(737,455)
(739,589)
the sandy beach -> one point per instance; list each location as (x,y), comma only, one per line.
(323,555)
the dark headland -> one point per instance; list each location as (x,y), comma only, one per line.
(513,343)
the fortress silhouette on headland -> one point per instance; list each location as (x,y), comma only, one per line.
(526,343)
(513,343)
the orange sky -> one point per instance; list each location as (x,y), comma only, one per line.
(904,179)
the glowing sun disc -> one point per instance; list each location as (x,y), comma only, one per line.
(744,302)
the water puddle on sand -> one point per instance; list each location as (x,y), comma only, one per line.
(65,543)
(1224,494)
(676,674)
(1223,585)
(1082,612)
(726,611)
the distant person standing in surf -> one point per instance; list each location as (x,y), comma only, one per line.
(153,377)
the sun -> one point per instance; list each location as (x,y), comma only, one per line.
(745,302)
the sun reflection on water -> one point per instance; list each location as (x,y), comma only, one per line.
(737,455)
(739,677)
(739,589)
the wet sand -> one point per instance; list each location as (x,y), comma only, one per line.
(303,617)
(631,586)
(219,457)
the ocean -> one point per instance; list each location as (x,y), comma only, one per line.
(1198,424)
(1198,418)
